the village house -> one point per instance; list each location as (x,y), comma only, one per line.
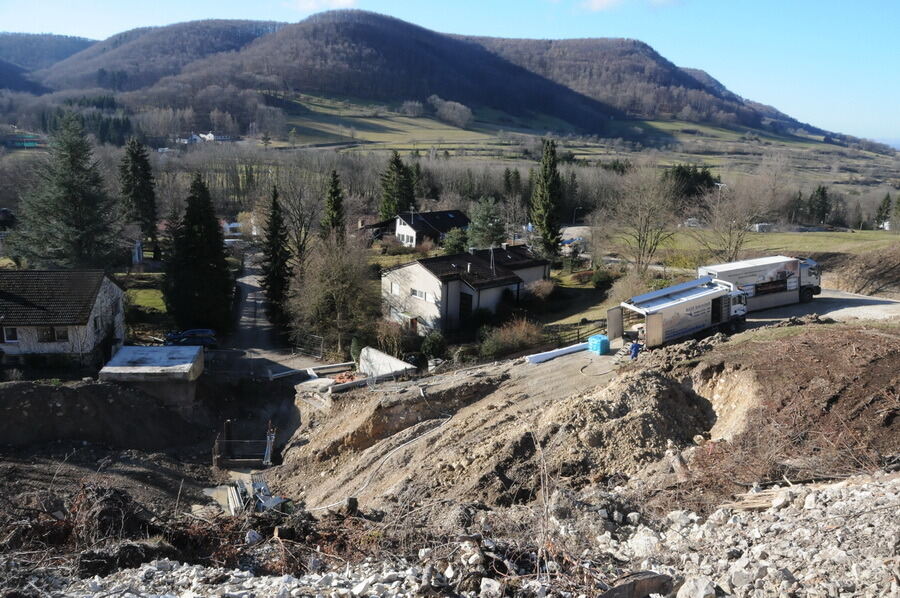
(60,317)
(412,228)
(441,293)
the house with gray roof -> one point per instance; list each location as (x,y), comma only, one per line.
(441,293)
(60,316)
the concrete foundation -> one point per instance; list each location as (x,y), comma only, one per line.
(373,362)
(167,373)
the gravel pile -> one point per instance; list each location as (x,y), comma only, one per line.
(836,540)
(169,578)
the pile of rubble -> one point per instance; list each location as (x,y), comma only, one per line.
(840,539)
(671,356)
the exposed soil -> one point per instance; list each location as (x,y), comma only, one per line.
(481,437)
(34,413)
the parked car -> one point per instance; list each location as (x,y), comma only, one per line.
(208,342)
(193,332)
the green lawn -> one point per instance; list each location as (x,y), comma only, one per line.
(147,299)
(856,242)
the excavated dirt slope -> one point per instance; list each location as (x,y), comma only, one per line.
(488,434)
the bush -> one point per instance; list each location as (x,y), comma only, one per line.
(541,289)
(510,338)
(355,349)
(434,344)
(602,279)
(584,276)
(394,247)
(425,247)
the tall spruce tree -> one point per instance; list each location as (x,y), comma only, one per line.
(333,219)
(68,221)
(276,269)
(197,285)
(138,193)
(546,198)
(397,188)
(486,226)
(883,213)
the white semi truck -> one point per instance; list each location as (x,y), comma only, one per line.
(679,311)
(770,281)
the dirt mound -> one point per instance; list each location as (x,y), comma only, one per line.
(671,356)
(483,439)
(625,426)
(33,413)
(798,403)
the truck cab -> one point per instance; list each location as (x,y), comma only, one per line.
(810,279)
(738,304)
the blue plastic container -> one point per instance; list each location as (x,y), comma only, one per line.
(598,343)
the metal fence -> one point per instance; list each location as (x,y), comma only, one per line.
(312,345)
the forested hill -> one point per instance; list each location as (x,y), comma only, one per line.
(34,51)
(14,77)
(373,57)
(633,77)
(564,84)
(140,57)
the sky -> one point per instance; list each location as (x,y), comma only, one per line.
(832,63)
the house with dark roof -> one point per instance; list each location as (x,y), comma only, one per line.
(73,316)
(412,228)
(440,293)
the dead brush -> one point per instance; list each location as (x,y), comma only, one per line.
(775,448)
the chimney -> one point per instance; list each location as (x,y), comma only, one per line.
(359,224)
(469,267)
(471,250)
(504,246)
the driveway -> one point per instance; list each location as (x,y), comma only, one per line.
(254,347)
(837,305)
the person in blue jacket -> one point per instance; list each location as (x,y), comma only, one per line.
(635,349)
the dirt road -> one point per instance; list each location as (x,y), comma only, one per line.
(838,305)
(261,351)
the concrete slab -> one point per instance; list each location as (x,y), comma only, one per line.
(151,364)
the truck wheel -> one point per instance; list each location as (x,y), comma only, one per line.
(806,295)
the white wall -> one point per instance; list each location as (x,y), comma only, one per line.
(403,232)
(490,298)
(108,311)
(532,274)
(414,276)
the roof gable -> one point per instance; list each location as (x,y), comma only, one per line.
(437,222)
(477,270)
(48,297)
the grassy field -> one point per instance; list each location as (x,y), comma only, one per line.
(147,299)
(855,243)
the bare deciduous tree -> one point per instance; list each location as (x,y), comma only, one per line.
(642,215)
(727,214)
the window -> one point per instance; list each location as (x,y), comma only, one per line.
(418,294)
(10,335)
(395,289)
(47,334)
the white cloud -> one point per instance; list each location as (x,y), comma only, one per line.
(315,5)
(601,5)
(598,5)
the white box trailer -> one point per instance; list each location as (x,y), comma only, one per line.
(770,281)
(679,311)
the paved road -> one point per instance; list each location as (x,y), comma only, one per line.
(838,305)
(254,346)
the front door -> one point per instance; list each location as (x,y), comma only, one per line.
(465,306)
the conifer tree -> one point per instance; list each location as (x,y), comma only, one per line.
(276,270)
(546,198)
(333,220)
(68,221)
(397,188)
(486,226)
(883,213)
(197,285)
(138,193)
